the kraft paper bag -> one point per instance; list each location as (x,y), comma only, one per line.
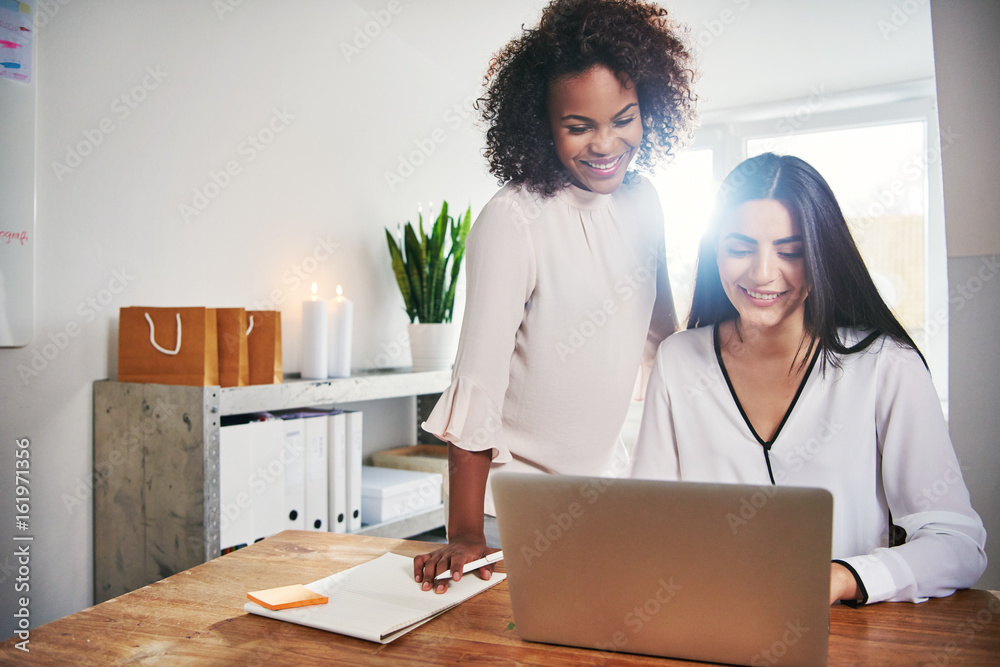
(234,359)
(264,344)
(168,346)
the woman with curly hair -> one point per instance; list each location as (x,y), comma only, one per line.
(568,296)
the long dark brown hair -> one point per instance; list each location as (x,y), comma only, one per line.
(841,291)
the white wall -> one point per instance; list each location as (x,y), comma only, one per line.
(110,232)
(756,51)
(968,81)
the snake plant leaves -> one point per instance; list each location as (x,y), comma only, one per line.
(427,275)
(399,269)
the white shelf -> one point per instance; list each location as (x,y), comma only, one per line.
(362,386)
(414,524)
(156,461)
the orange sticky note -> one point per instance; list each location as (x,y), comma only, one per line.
(286,597)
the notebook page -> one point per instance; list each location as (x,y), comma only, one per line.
(377,601)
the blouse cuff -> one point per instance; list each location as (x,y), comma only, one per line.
(468,418)
(861,586)
(873,576)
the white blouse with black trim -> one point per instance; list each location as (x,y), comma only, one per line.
(871,432)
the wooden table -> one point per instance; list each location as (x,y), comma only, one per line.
(197,617)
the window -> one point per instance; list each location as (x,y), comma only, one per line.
(882,198)
(687,191)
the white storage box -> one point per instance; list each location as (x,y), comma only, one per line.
(391,493)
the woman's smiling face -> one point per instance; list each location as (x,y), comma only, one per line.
(596,127)
(761,264)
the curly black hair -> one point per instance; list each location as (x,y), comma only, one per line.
(630,38)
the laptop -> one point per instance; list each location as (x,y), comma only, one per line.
(724,573)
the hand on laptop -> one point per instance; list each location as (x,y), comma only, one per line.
(451,557)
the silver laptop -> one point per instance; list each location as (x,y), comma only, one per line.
(715,572)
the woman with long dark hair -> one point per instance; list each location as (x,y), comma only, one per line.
(794,371)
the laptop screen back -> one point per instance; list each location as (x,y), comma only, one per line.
(718,572)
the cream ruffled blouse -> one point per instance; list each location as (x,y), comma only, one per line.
(567,301)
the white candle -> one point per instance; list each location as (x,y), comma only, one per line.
(314,336)
(341,324)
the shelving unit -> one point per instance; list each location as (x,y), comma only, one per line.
(156,466)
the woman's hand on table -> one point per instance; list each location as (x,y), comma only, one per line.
(453,558)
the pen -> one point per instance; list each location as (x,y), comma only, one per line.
(474,565)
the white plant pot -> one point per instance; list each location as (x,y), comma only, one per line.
(433,346)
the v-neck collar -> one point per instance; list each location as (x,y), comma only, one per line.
(766,444)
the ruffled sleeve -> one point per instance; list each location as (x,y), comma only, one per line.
(500,277)
(467,417)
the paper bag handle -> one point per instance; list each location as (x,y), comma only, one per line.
(152,336)
(250,328)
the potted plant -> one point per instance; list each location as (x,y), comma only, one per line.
(427,275)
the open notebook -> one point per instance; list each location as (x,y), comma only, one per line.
(377,601)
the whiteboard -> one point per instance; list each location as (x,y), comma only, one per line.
(17,199)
